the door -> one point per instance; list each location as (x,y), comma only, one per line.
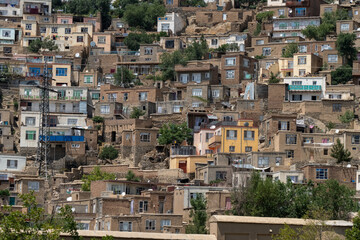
(113,136)
(182,165)
(12,201)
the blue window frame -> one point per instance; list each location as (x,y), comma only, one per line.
(321,173)
(61,71)
(34,70)
(300,12)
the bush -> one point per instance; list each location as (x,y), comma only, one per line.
(108,152)
(341,75)
(347,117)
(98,119)
(130,176)
(263,16)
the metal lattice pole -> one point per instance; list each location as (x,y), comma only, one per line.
(44,125)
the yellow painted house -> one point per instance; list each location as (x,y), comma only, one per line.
(235,137)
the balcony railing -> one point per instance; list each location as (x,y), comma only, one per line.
(304,88)
(65,138)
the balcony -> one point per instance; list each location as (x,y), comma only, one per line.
(297,3)
(304,88)
(65,138)
(215,141)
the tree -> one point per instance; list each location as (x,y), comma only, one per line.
(136,113)
(290,49)
(134,39)
(120,5)
(46,44)
(311,32)
(95,175)
(340,153)
(198,215)
(247,3)
(144,15)
(345,44)
(194,3)
(130,176)
(354,232)
(34,223)
(124,77)
(264,16)
(174,133)
(341,75)
(98,119)
(108,152)
(197,50)
(168,62)
(274,78)
(347,117)
(330,125)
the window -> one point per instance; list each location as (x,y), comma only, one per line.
(300,12)
(268,65)
(207,75)
(12,164)
(197,92)
(72,121)
(77,93)
(231,134)
(95,96)
(355,139)
(88,79)
(67,30)
(184,78)
(165,27)
(208,136)
(230,61)
(278,161)
(54,30)
(283,125)
(30,121)
(84,29)
(221,175)
(126,97)
(248,149)
(214,42)
(281,12)
(102,39)
(215,93)
(259,42)
(196,77)
(328,9)
(345,27)
(263,161)
(28,26)
(144,137)
(30,135)
(301,72)
(177,108)
(79,39)
(42,29)
(64,21)
(302,49)
(296,97)
(291,139)
(164,223)
(321,173)
(246,63)
(283,25)
(143,96)
(332,58)
(249,135)
(230,74)
(336,107)
(125,226)
(326,152)
(83,226)
(150,224)
(105,109)
(289,153)
(301,60)
(356,12)
(33,186)
(75,145)
(143,206)
(148,51)
(61,71)
(231,148)
(266,51)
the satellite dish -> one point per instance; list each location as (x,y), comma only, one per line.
(123,194)
(69,199)
(213,127)
(92,44)
(348,166)
(77,55)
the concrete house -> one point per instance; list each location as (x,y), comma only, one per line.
(170,23)
(306,89)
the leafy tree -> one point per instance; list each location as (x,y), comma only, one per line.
(257,29)
(330,125)
(340,153)
(144,15)
(197,50)
(130,176)
(194,3)
(198,215)
(124,77)
(345,44)
(120,5)
(134,39)
(46,44)
(247,3)
(227,47)
(354,232)
(264,16)
(311,32)
(136,113)
(95,175)
(108,152)
(168,62)
(171,133)
(34,224)
(274,78)
(341,75)
(98,119)
(290,49)
(347,117)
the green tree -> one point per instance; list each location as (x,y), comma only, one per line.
(98,119)
(227,47)
(330,125)
(130,176)
(194,3)
(354,232)
(290,49)
(171,133)
(120,5)
(46,44)
(347,117)
(136,113)
(197,50)
(198,216)
(144,15)
(124,77)
(168,62)
(108,152)
(274,78)
(134,39)
(345,44)
(34,223)
(341,75)
(95,175)
(247,3)
(340,153)
(264,16)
